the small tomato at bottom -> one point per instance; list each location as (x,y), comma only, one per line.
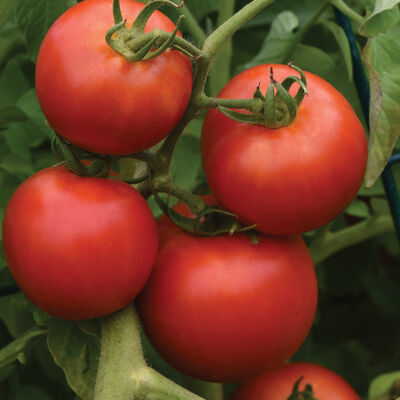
(79,247)
(278,384)
(222,309)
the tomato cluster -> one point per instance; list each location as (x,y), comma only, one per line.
(217,308)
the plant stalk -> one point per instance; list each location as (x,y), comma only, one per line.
(346,10)
(329,243)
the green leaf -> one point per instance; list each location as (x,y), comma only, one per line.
(358,208)
(303,9)
(35,19)
(278,42)
(74,351)
(12,351)
(343,43)
(16,313)
(7,9)
(386,14)
(9,114)
(382,57)
(381,385)
(13,83)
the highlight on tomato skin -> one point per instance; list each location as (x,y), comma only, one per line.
(292,179)
(222,309)
(278,384)
(95,98)
(79,247)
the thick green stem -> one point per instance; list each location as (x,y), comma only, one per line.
(329,243)
(120,357)
(304,29)
(221,68)
(221,35)
(346,10)
(123,373)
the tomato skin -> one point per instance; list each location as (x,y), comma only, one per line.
(95,98)
(292,179)
(278,384)
(222,309)
(79,247)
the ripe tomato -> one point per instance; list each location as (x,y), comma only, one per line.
(278,384)
(292,179)
(95,98)
(79,247)
(222,309)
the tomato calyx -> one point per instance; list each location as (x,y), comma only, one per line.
(279,107)
(306,394)
(135,45)
(207,220)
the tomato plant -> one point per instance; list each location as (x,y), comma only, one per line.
(278,384)
(114,79)
(292,179)
(222,309)
(78,247)
(97,99)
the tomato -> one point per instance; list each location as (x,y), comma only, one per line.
(292,179)
(222,309)
(79,247)
(95,98)
(278,384)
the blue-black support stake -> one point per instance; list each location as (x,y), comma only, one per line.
(361,82)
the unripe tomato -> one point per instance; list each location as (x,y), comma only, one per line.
(291,179)
(79,247)
(95,98)
(222,309)
(278,384)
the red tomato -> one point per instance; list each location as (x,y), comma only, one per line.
(79,247)
(222,309)
(292,179)
(95,98)
(278,384)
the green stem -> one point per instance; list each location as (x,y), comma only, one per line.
(123,373)
(221,35)
(221,68)
(211,47)
(304,29)
(346,10)
(196,203)
(120,356)
(329,242)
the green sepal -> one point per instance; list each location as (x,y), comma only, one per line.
(141,20)
(168,42)
(307,394)
(255,119)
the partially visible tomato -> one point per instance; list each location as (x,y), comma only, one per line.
(278,384)
(95,98)
(79,247)
(292,179)
(222,309)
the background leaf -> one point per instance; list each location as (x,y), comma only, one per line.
(35,18)
(386,14)
(382,57)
